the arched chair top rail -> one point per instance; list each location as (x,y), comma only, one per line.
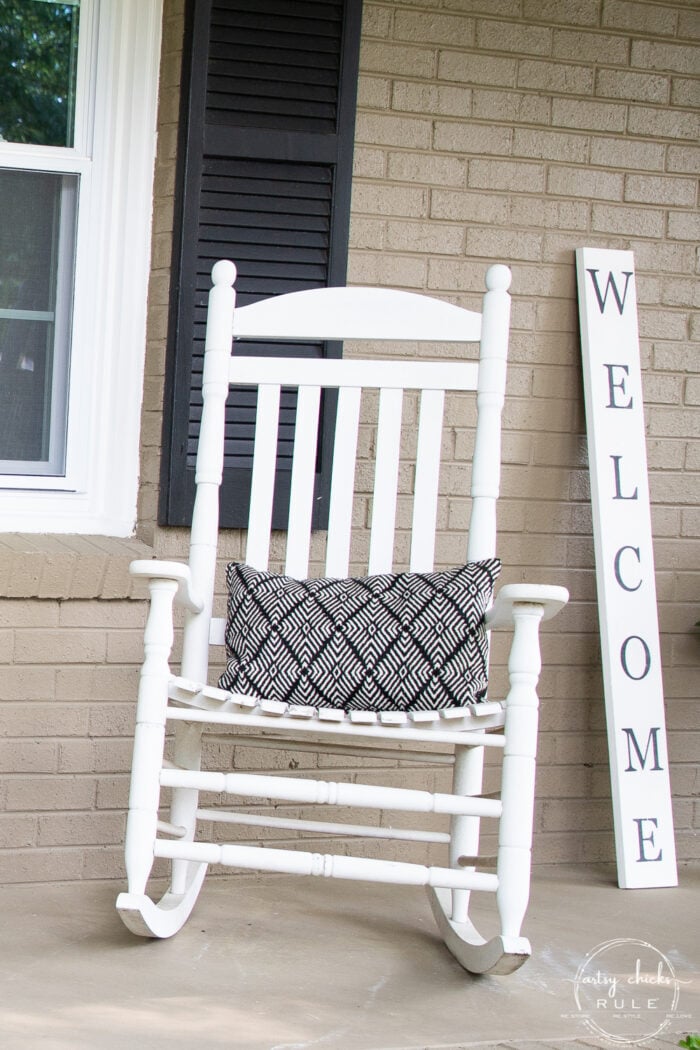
(358,313)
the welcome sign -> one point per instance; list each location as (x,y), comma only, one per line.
(625,569)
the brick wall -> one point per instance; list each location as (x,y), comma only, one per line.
(509,130)
(519,132)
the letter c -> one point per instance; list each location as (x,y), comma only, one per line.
(618,573)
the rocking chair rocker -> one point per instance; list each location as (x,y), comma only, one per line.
(307,710)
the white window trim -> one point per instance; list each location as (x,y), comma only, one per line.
(114,154)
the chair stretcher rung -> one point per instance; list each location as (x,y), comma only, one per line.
(466,737)
(367,831)
(325,792)
(352,750)
(166,828)
(297,862)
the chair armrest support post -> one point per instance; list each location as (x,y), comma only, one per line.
(171,570)
(501,613)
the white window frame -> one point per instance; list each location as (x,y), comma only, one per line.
(113,155)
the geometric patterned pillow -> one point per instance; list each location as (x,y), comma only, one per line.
(398,641)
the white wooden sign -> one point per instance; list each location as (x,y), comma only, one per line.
(625,569)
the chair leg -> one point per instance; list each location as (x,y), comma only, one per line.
(518,779)
(507,951)
(464,831)
(187,754)
(137,910)
(166,917)
(451,908)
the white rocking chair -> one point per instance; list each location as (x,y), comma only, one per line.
(189,702)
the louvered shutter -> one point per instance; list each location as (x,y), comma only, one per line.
(267,123)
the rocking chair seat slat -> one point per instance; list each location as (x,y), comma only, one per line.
(463,735)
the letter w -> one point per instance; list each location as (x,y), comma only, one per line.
(602,299)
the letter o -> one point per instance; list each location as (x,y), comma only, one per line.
(647,658)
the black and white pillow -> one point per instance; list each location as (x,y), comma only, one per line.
(401,641)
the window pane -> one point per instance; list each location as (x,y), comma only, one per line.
(37,258)
(38,52)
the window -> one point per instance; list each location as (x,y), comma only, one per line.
(78,87)
(268,115)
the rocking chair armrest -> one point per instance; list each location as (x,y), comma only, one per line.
(550,598)
(170,570)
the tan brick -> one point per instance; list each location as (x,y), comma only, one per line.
(23,756)
(431,169)
(469,207)
(31,794)
(504,244)
(555,77)
(652,19)
(653,54)
(645,222)
(387,58)
(511,107)
(26,613)
(372,198)
(589,183)
(376,20)
(66,829)
(589,115)
(425,237)
(679,291)
(548,214)
(471,137)
(423,27)
(369,163)
(619,152)
(453,275)
(660,324)
(60,646)
(26,683)
(76,756)
(601,48)
(683,159)
(663,123)
(504,8)
(659,189)
(438,100)
(550,145)
(367,233)
(684,225)
(506,175)
(689,23)
(39,866)
(685,92)
(638,87)
(112,792)
(518,38)
(17,832)
(566,12)
(373,93)
(471,68)
(42,720)
(399,271)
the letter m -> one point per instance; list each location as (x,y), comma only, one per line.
(602,297)
(632,744)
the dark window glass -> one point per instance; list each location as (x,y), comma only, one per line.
(38,55)
(37,258)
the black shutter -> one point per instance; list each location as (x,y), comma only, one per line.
(264,178)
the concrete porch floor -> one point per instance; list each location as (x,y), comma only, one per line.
(278,963)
